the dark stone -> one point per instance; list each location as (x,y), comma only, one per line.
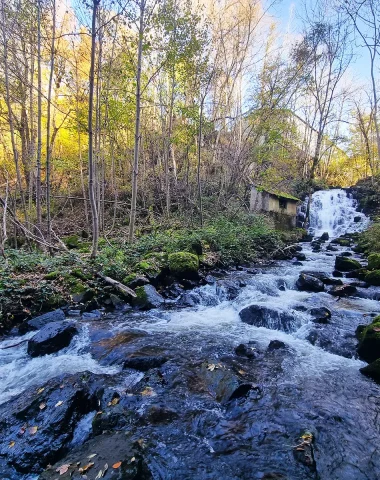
(323,277)
(307,238)
(83,297)
(51,338)
(320,314)
(38,322)
(331,248)
(188,300)
(147,298)
(241,391)
(372,370)
(298,264)
(301,257)
(369,341)
(138,281)
(159,414)
(357,219)
(143,364)
(210,279)
(324,237)
(337,273)
(261,316)
(276,345)
(245,351)
(346,254)
(309,283)
(56,424)
(342,290)
(229,288)
(110,449)
(94,315)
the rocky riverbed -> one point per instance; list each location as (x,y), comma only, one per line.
(255,375)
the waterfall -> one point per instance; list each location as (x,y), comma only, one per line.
(335,211)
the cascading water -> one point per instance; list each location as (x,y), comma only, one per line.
(335,212)
(312,384)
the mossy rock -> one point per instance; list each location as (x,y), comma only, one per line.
(71,242)
(183,264)
(149,268)
(369,343)
(372,370)
(373,278)
(78,273)
(374,261)
(147,298)
(345,264)
(51,276)
(343,242)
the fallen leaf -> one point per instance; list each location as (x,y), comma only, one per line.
(86,467)
(42,406)
(58,404)
(11,444)
(63,468)
(148,392)
(99,413)
(114,401)
(116,465)
(32,430)
(92,455)
(40,390)
(133,459)
(242,372)
(99,475)
(211,367)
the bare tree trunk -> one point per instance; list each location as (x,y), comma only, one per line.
(136,152)
(91,185)
(39,118)
(199,162)
(48,121)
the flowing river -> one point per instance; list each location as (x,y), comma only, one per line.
(308,383)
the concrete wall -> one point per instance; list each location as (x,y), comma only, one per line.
(266,202)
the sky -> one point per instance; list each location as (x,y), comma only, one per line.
(288,14)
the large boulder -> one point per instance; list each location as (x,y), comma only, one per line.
(344,264)
(261,316)
(309,283)
(38,426)
(51,338)
(147,298)
(323,277)
(183,265)
(38,322)
(324,237)
(373,278)
(369,341)
(374,261)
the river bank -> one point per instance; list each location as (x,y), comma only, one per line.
(255,382)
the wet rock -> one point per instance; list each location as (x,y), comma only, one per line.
(324,237)
(137,281)
(344,264)
(147,298)
(320,314)
(261,316)
(346,254)
(245,351)
(157,414)
(51,338)
(342,290)
(323,277)
(309,283)
(55,409)
(188,300)
(144,363)
(173,291)
(337,273)
(83,297)
(276,345)
(331,248)
(38,322)
(217,379)
(307,238)
(228,288)
(372,370)
(297,264)
(110,449)
(357,219)
(94,315)
(369,341)
(241,391)
(301,257)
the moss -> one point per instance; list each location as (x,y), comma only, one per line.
(78,273)
(183,264)
(71,242)
(369,341)
(374,261)
(141,296)
(148,268)
(345,264)
(51,276)
(129,278)
(373,278)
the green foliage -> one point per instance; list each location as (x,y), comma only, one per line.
(183,264)
(374,261)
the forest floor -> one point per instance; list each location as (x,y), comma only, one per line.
(33,281)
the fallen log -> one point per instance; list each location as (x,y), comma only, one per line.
(118,285)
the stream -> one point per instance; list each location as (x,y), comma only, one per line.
(206,411)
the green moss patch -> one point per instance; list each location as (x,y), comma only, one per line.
(183,264)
